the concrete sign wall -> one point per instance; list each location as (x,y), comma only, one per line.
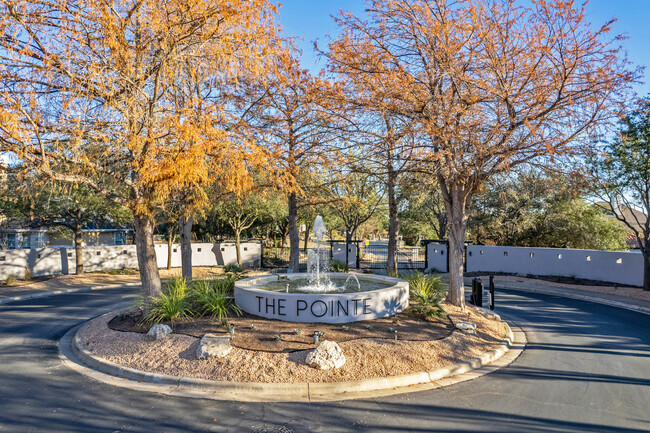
(611,266)
(321,308)
(53,261)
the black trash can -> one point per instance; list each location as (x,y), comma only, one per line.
(476,298)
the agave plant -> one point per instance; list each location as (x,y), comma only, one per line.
(427,291)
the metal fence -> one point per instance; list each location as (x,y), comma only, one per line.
(376,257)
(279,258)
(370,257)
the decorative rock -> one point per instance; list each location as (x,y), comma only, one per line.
(213,345)
(488,314)
(466,327)
(327,355)
(159,331)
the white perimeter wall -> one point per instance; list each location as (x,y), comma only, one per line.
(437,257)
(611,266)
(53,261)
(338,253)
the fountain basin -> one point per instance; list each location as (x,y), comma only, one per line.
(390,298)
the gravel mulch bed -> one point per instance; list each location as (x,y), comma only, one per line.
(257,333)
(365,358)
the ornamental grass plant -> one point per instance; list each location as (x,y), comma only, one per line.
(172,304)
(214,298)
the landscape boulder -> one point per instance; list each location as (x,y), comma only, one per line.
(327,355)
(466,327)
(213,345)
(487,314)
(159,331)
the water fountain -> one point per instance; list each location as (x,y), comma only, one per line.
(321,296)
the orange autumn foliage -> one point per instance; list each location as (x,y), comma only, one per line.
(491,85)
(96,86)
(94,83)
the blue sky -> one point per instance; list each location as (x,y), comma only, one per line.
(310,20)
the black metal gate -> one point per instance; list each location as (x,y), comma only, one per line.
(376,257)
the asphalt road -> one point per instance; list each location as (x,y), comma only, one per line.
(586,369)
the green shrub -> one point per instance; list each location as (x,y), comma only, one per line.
(224,285)
(9,281)
(213,298)
(427,291)
(173,304)
(234,269)
(338,266)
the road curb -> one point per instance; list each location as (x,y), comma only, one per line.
(64,292)
(109,372)
(581,297)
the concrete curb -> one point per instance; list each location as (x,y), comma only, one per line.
(581,297)
(106,371)
(64,292)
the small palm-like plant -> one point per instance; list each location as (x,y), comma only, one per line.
(172,304)
(212,298)
(427,291)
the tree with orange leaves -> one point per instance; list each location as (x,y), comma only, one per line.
(87,85)
(491,84)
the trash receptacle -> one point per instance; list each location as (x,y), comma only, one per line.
(476,298)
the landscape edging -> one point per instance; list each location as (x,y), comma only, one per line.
(262,391)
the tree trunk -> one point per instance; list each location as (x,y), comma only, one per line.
(442,225)
(146,252)
(348,241)
(307,230)
(393,226)
(185,230)
(78,248)
(170,245)
(238,245)
(646,269)
(294,239)
(457,201)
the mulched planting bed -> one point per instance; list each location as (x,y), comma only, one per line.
(259,334)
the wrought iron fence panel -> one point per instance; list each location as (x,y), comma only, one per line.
(279,258)
(376,257)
